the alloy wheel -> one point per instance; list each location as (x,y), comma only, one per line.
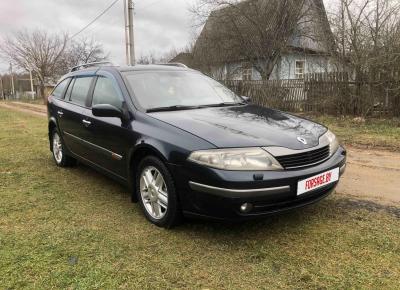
(154,192)
(57,148)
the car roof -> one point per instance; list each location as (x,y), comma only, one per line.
(135,68)
(152,67)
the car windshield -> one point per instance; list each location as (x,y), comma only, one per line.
(178,90)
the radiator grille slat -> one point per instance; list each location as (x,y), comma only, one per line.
(304,159)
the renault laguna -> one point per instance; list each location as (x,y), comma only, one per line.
(187,146)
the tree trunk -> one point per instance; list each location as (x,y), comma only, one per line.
(265,76)
(42,93)
(266,69)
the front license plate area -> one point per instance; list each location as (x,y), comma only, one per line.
(317,181)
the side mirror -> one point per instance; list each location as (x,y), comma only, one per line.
(246,99)
(106,110)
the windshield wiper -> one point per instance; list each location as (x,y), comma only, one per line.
(225,104)
(171,108)
(181,108)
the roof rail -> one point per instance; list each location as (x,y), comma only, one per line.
(178,64)
(90,64)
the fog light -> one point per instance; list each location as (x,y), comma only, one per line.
(246,207)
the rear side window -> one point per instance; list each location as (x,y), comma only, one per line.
(80,90)
(69,90)
(106,93)
(59,90)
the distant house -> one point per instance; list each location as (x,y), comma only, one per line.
(49,86)
(301,54)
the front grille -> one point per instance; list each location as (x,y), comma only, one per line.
(304,159)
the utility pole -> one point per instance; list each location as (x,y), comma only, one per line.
(131,33)
(2,88)
(128,60)
(30,75)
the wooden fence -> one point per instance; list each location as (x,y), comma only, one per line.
(333,93)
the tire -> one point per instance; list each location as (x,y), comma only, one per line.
(60,157)
(156,192)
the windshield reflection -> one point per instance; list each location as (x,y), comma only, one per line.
(177,89)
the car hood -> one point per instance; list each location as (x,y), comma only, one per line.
(245,126)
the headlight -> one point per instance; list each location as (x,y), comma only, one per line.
(333,142)
(236,159)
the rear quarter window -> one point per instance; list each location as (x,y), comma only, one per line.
(58,92)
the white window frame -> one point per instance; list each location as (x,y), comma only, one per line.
(298,74)
(247,71)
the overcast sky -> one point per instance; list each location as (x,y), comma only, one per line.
(159,24)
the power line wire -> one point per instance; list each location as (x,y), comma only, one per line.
(95,19)
(105,11)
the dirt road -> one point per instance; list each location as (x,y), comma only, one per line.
(39,110)
(370,174)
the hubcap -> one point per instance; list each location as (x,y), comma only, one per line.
(154,192)
(57,148)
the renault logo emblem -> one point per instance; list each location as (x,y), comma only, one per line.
(302,140)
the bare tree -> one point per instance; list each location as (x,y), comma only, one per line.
(82,51)
(49,56)
(364,29)
(367,35)
(150,58)
(38,51)
(154,58)
(253,31)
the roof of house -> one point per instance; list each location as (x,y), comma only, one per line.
(183,57)
(218,41)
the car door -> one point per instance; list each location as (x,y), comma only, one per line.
(71,120)
(110,137)
(57,98)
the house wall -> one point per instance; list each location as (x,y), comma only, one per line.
(284,69)
(313,64)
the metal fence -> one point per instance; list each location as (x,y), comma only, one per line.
(333,93)
(19,96)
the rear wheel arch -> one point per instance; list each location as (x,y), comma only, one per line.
(61,158)
(51,126)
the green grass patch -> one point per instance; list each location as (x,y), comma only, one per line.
(76,229)
(378,133)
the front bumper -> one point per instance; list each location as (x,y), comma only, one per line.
(218,194)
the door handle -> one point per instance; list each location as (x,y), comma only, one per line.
(60,113)
(86,123)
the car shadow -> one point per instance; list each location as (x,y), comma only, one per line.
(244,229)
(96,176)
(271,226)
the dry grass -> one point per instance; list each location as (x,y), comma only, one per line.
(76,229)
